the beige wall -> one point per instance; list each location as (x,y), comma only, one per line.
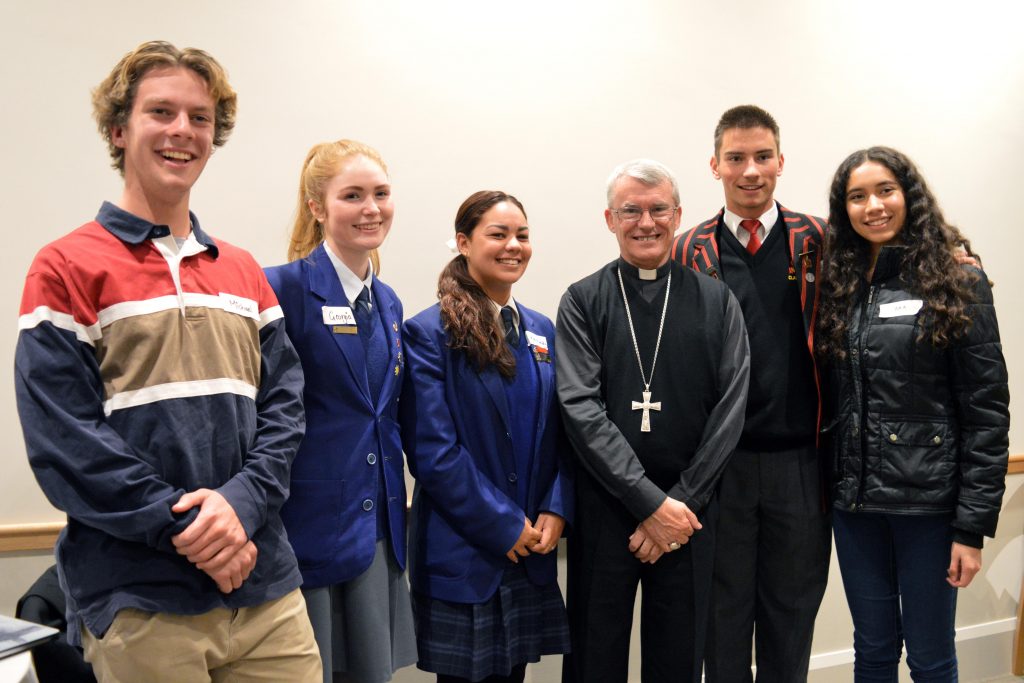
(540,99)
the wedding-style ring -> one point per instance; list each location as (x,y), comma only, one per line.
(674,546)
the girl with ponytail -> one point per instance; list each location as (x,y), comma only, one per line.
(345,515)
(482,431)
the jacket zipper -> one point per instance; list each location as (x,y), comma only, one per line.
(860,379)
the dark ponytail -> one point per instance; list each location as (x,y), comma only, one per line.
(467,313)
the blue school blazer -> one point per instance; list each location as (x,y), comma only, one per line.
(331,514)
(455,430)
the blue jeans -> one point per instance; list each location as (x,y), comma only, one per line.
(894,573)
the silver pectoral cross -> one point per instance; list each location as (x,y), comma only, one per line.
(647,407)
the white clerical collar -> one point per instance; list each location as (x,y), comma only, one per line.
(768,219)
(350,282)
(644,273)
(511,304)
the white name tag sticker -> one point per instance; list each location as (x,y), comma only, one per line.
(898,308)
(537,341)
(240,305)
(338,315)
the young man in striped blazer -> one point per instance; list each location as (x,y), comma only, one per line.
(161,404)
(773,535)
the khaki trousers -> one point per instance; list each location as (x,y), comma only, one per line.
(268,642)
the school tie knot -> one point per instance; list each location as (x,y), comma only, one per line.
(511,331)
(752,225)
(363,301)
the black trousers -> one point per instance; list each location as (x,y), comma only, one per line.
(601,594)
(771,565)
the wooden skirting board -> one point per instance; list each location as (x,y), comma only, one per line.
(21,537)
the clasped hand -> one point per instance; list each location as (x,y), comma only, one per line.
(672,522)
(215,541)
(540,538)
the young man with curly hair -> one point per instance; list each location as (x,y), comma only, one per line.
(161,404)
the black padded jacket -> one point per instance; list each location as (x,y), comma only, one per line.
(911,428)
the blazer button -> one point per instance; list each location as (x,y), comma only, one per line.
(367,504)
(512,477)
(893,438)
(371,459)
(936,439)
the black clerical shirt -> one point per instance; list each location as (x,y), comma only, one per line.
(700,379)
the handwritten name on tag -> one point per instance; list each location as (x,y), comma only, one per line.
(537,341)
(338,315)
(898,308)
(240,305)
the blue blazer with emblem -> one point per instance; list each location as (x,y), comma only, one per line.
(330,514)
(455,429)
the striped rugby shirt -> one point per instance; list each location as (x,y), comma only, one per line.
(143,372)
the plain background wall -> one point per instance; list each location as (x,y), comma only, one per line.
(540,99)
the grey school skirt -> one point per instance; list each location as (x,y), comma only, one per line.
(364,627)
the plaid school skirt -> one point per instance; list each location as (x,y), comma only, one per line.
(520,623)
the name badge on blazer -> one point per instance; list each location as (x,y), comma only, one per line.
(340,319)
(539,346)
(898,308)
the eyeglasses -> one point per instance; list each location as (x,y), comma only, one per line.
(633,214)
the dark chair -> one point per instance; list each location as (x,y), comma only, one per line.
(56,661)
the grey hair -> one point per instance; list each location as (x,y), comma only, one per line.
(647,171)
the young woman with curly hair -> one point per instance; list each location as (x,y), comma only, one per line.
(916,413)
(483,436)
